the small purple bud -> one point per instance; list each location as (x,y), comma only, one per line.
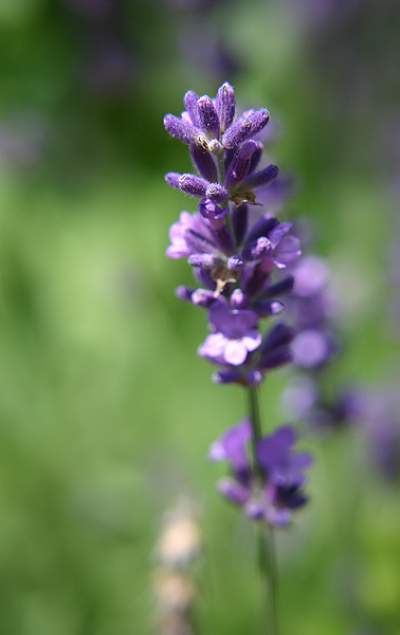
(262,227)
(276,307)
(254,510)
(238,132)
(184,293)
(276,358)
(226,377)
(217,193)
(193,185)
(247,125)
(255,159)
(208,116)
(233,376)
(259,119)
(179,129)
(203,297)
(265,308)
(235,492)
(204,162)
(240,164)
(225,105)
(190,102)
(254,377)
(263,177)
(279,335)
(213,212)
(172,178)
(207,261)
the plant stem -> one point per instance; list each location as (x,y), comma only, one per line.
(266,548)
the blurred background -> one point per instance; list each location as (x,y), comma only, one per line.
(106,413)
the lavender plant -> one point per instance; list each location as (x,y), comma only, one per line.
(239,253)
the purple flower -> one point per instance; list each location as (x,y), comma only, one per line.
(277,492)
(312,348)
(232,447)
(305,401)
(235,335)
(311,276)
(271,243)
(278,459)
(190,235)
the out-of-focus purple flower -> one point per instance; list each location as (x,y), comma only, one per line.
(311,348)
(304,401)
(311,276)
(311,307)
(377,413)
(274,491)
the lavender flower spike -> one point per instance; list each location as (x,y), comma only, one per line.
(208,116)
(237,257)
(230,256)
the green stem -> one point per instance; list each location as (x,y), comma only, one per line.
(266,548)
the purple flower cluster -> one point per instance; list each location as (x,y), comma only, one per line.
(233,247)
(274,490)
(312,308)
(239,254)
(305,400)
(372,411)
